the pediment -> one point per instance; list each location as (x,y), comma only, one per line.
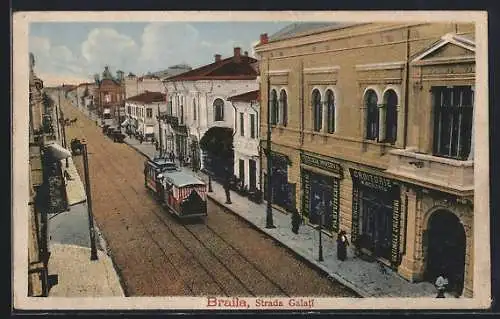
(451,48)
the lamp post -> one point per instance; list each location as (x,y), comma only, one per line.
(93,248)
(321,209)
(269,208)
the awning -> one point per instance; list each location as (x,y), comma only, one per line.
(125,123)
(75,191)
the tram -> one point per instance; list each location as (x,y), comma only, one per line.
(181,193)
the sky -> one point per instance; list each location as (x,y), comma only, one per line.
(72,52)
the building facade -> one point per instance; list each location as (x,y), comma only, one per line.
(246,138)
(110,96)
(142,112)
(198,100)
(372,130)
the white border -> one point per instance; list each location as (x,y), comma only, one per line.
(21,20)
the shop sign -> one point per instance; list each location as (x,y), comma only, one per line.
(321,163)
(396,228)
(372,181)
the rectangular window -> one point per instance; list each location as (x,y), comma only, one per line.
(252,125)
(149,112)
(169,107)
(128,109)
(242,170)
(242,125)
(453,107)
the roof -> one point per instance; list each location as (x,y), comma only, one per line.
(300,29)
(226,69)
(148,97)
(85,84)
(181,179)
(245,97)
(109,81)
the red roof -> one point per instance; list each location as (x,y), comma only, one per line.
(226,69)
(246,97)
(148,97)
(109,81)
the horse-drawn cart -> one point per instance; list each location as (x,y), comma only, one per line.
(76,146)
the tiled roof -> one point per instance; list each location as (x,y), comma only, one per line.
(298,29)
(245,97)
(225,69)
(109,81)
(148,97)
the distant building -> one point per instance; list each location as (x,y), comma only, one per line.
(110,96)
(142,111)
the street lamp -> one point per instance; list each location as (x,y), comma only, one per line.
(321,210)
(269,208)
(93,249)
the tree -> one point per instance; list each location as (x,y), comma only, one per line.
(218,146)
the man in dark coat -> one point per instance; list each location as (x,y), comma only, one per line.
(227,181)
(296,220)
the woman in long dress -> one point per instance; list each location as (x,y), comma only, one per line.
(342,244)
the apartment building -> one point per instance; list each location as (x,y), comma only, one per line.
(372,133)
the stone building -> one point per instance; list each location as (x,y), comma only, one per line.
(198,100)
(246,138)
(110,96)
(141,112)
(372,130)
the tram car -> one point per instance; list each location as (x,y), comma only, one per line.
(181,193)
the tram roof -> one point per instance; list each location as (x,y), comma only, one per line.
(181,179)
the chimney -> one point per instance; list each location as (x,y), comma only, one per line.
(237,54)
(217,57)
(263,38)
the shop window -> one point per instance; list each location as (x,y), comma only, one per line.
(283,108)
(453,108)
(274,107)
(372,116)
(252,125)
(194,109)
(242,125)
(318,110)
(391,117)
(242,170)
(218,110)
(330,104)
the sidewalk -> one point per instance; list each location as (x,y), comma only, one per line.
(71,272)
(369,279)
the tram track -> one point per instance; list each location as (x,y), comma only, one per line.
(183,247)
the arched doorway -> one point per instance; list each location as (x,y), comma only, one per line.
(446,249)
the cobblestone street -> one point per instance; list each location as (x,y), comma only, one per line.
(157,255)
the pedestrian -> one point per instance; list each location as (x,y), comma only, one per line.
(156,145)
(342,244)
(296,220)
(172,156)
(140,139)
(441,283)
(227,182)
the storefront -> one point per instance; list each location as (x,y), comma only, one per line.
(321,191)
(283,192)
(376,216)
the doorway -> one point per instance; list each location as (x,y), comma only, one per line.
(446,250)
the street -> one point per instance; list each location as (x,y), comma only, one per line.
(157,255)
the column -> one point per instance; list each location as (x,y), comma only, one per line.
(324,120)
(381,121)
(401,125)
(411,267)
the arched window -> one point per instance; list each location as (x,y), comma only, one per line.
(318,110)
(274,107)
(218,110)
(194,109)
(330,105)
(283,108)
(391,116)
(371,101)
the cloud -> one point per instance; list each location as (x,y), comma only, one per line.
(163,43)
(55,59)
(105,46)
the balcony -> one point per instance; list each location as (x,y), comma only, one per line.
(445,174)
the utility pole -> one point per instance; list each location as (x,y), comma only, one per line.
(57,114)
(160,131)
(93,248)
(269,209)
(63,129)
(321,215)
